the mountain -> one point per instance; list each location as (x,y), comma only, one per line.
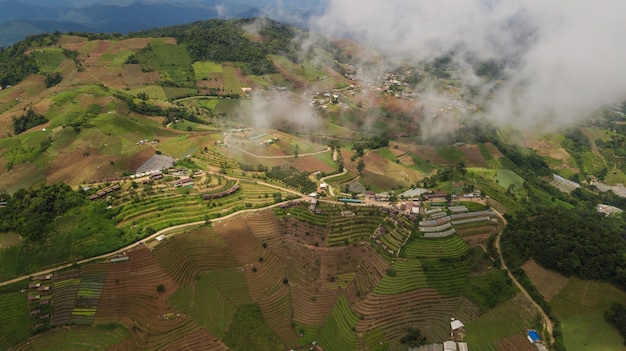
(20,19)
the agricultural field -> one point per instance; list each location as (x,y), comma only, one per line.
(580,306)
(549,283)
(510,318)
(350,277)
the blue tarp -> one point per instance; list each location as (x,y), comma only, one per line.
(533,335)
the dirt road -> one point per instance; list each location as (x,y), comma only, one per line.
(547,323)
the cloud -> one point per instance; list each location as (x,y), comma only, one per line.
(282,110)
(565,59)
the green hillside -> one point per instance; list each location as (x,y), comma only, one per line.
(190,153)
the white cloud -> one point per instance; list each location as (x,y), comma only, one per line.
(570,57)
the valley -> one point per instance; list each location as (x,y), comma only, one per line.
(216,186)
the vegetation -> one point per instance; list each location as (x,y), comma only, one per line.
(218,40)
(29,211)
(616,314)
(560,239)
(27,121)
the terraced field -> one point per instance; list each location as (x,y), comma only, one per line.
(424,308)
(338,331)
(162,205)
(213,299)
(265,275)
(130,298)
(507,319)
(549,283)
(78,338)
(15,319)
(187,255)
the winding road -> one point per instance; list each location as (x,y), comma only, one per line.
(273,157)
(160,232)
(547,323)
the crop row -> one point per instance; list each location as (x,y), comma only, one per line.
(338,331)
(451,246)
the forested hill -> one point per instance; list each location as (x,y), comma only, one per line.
(228,40)
(575,242)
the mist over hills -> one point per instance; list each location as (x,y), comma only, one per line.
(22,18)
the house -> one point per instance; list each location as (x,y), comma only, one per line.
(456,325)
(449,346)
(183,182)
(313,205)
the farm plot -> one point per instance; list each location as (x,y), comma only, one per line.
(15,319)
(517,342)
(202,69)
(265,274)
(317,276)
(423,308)
(580,307)
(213,299)
(170,206)
(353,228)
(78,338)
(64,289)
(451,246)
(131,297)
(185,256)
(549,283)
(88,294)
(216,159)
(338,331)
(267,229)
(300,211)
(506,319)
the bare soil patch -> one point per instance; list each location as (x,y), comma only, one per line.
(140,158)
(473,156)
(130,297)
(517,342)
(76,168)
(213,81)
(544,148)
(311,164)
(428,153)
(549,283)
(494,151)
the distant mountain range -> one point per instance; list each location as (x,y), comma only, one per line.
(27,17)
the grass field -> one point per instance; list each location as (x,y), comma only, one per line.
(580,307)
(153,92)
(202,69)
(508,318)
(171,61)
(450,153)
(48,60)
(503,177)
(10,239)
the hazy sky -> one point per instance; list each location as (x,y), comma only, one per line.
(571,55)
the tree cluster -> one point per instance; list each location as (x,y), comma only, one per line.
(220,40)
(53,79)
(574,242)
(27,121)
(616,314)
(29,210)
(292,177)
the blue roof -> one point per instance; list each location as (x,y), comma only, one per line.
(533,335)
